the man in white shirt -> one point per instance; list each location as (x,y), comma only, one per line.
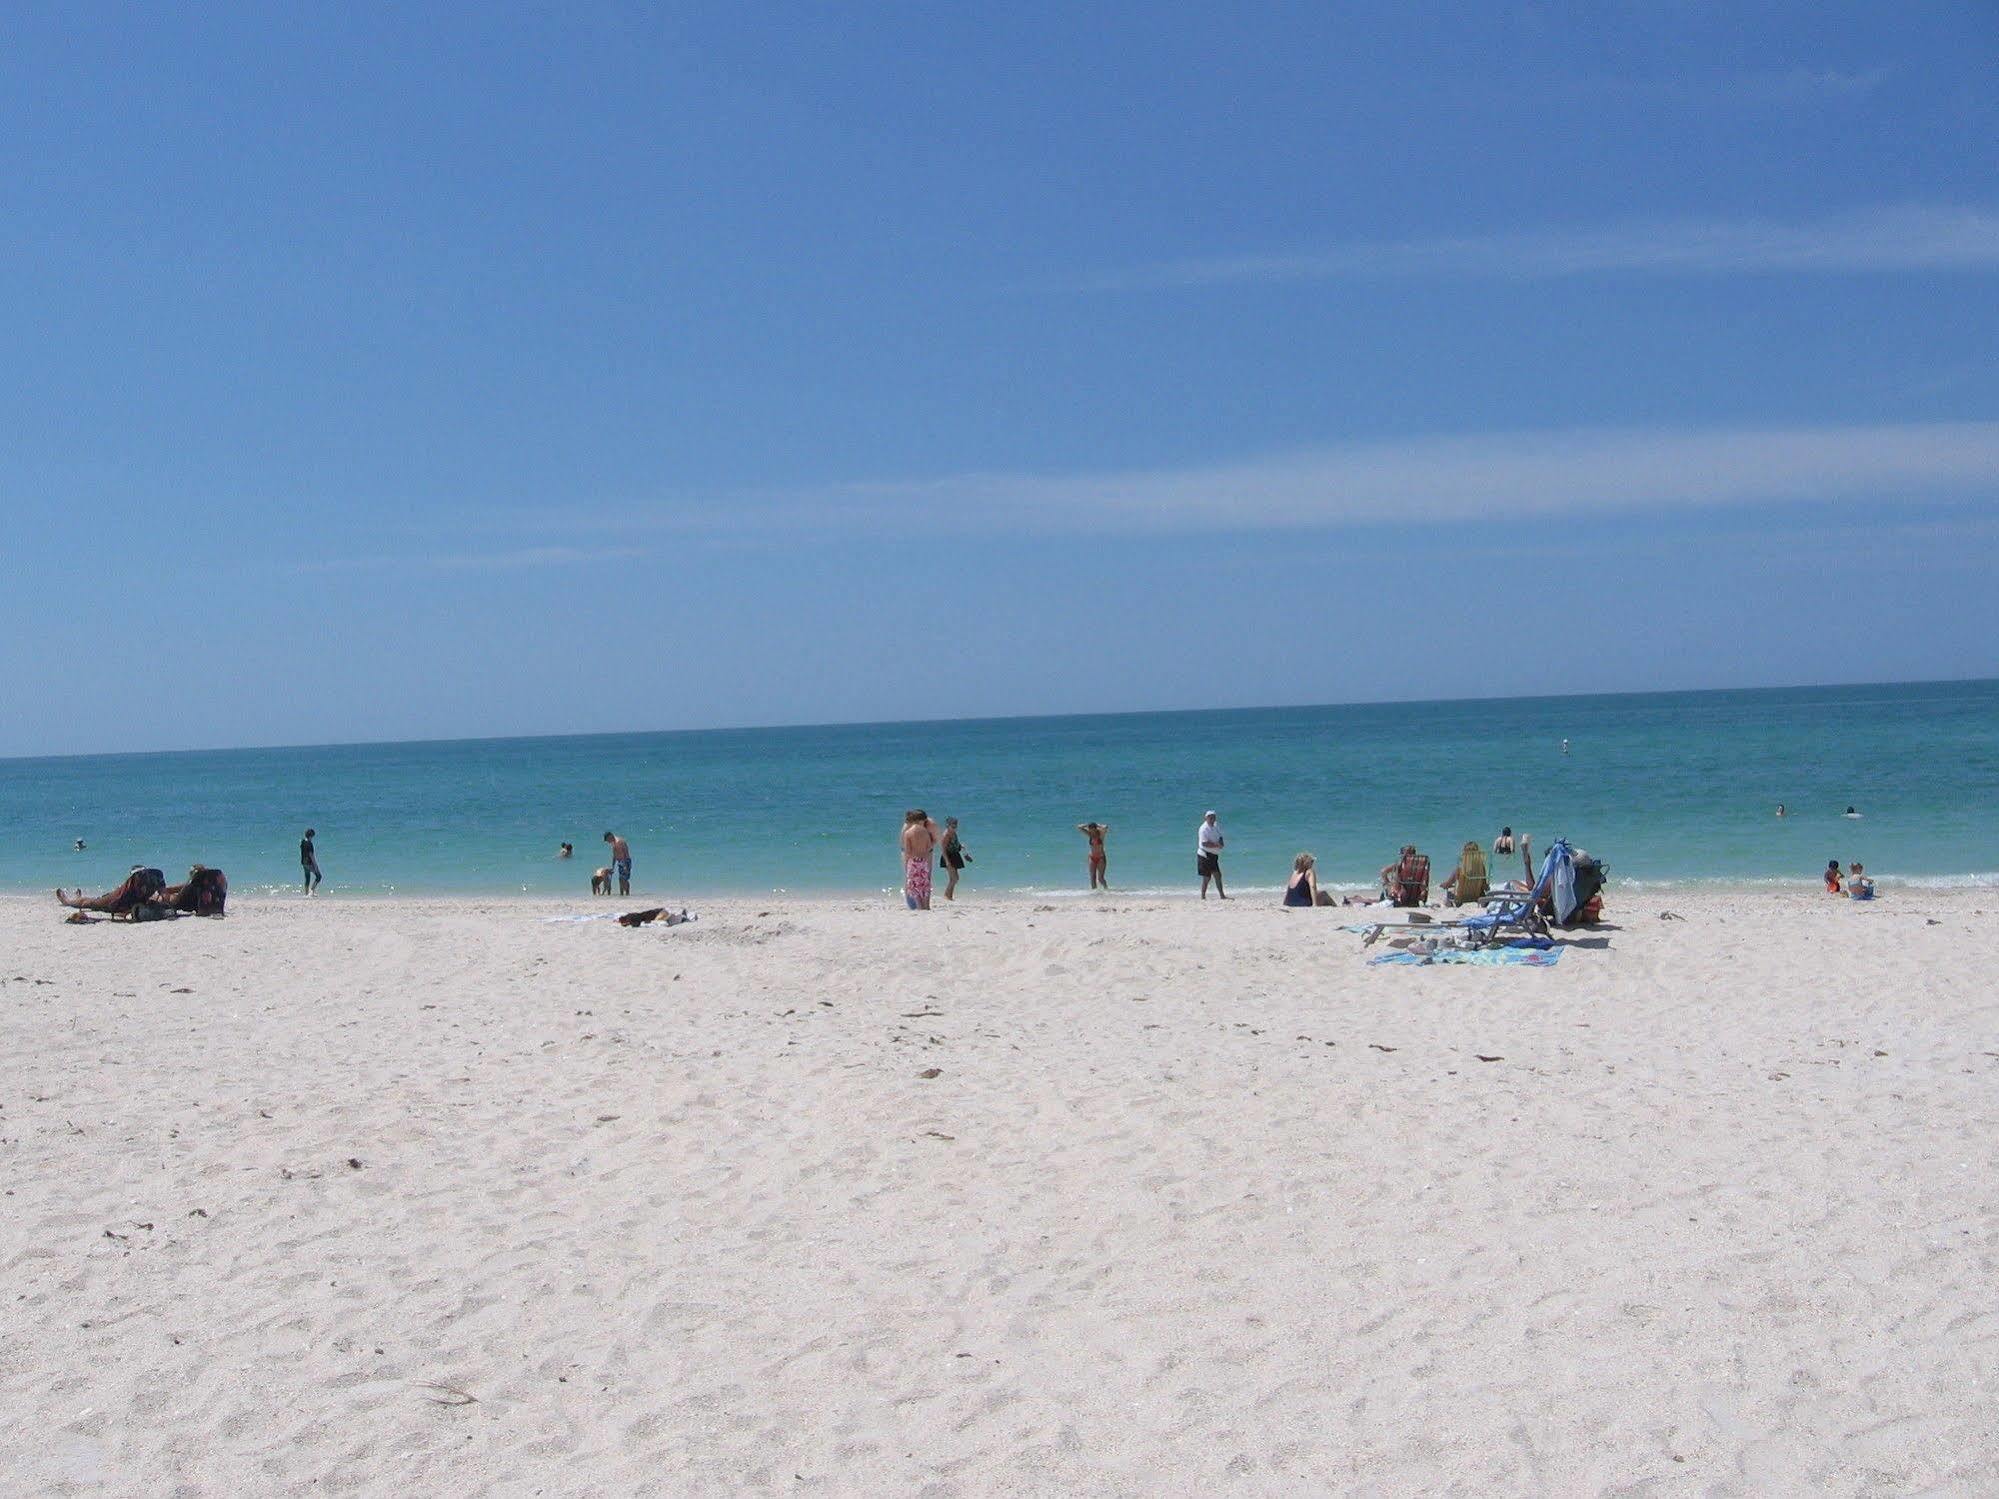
(1208,855)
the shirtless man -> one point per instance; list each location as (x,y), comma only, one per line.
(920,837)
(1100,863)
(621,862)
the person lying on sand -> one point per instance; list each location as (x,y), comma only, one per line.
(140,887)
(657,913)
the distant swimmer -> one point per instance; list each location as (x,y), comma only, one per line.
(1100,863)
(566,851)
(1849,812)
(1780,809)
(79,845)
(1565,746)
(1503,844)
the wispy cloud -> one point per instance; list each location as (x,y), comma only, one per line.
(1489,479)
(1879,239)
(440,562)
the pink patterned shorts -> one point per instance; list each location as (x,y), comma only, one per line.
(916,881)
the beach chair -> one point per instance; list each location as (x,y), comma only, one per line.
(1527,912)
(1507,913)
(1412,880)
(1468,886)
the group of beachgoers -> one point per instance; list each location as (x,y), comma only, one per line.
(145,895)
(1405,881)
(1856,885)
(619,870)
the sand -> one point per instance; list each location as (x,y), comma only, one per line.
(1086,1197)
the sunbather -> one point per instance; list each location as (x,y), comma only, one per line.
(141,886)
(205,893)
(1407,880)
(1303,889)
(1465,884)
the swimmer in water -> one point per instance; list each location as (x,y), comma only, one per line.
(1780,809)
(79,845)
(1503,844)
(1850,813)
(1565,746)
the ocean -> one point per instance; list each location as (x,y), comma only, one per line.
(1664,787)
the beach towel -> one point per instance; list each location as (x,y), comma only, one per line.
(1482,957)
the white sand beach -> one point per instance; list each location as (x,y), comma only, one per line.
(1106,1197)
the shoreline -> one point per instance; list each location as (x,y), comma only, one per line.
(1616,892)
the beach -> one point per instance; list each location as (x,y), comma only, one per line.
(1108,1197)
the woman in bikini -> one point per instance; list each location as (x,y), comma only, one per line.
(1099,861)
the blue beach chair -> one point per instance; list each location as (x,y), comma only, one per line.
(1511,913)
(1521,911)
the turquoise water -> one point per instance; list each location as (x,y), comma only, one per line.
(1666,787)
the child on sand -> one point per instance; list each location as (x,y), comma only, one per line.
(1832,885)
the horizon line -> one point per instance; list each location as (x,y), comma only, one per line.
(883,723)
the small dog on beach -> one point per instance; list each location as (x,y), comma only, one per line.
(600,882)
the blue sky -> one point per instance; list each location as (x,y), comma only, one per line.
(561,369)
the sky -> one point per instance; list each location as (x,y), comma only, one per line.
(411,372)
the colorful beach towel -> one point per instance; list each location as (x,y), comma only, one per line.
(1484,957)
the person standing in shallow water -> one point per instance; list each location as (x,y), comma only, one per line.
(1100,863)
(308,861)
(920,837)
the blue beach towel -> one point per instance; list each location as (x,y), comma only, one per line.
(1489,957)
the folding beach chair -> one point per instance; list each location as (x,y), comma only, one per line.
(1526,912)
(1508,913)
